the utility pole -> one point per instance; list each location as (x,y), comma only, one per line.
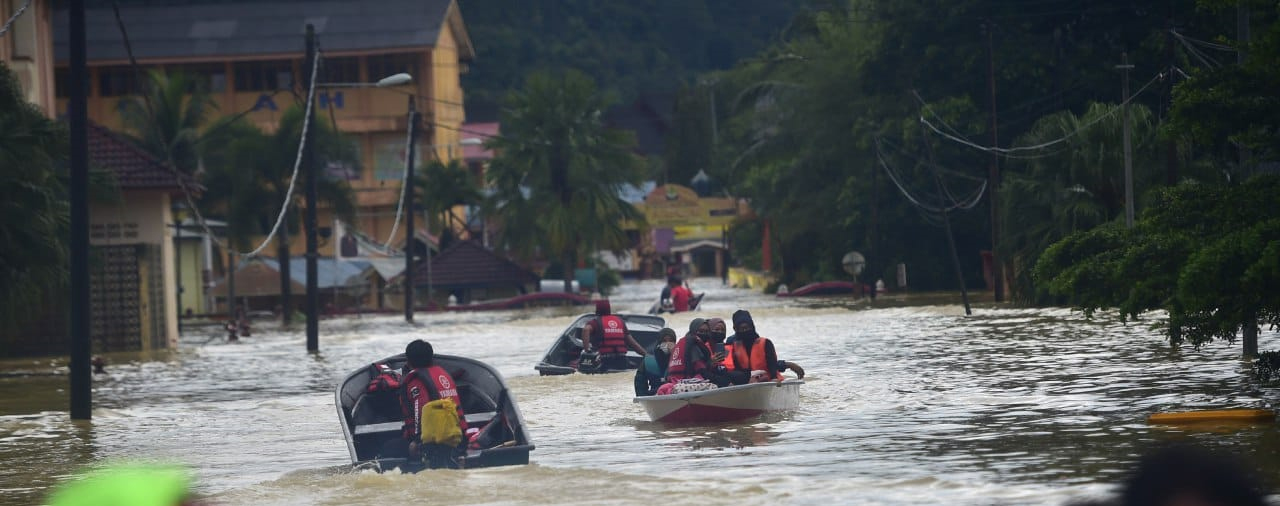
(408,214)
(232,316)
(993,174)
(309,166)
(81,381)
(1124,67)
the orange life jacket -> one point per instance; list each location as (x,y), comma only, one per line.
(738,357)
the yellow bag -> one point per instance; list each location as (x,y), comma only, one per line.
(440,423)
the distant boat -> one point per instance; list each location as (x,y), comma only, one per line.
(562,356)
(370,420)
(536,299)
(658,308)
(824,288)
(725,404)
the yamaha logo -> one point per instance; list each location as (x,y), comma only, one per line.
(444,381)
(613,324)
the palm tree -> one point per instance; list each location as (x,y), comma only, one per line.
(34,211)
(248,178)
(1076,185)
(168,120)
(558,171)
(442,187)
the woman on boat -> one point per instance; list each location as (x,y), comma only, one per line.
(652,372)
(694,359)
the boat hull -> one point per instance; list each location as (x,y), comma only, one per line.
(728,404)
(562,357)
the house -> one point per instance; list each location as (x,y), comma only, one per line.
(687,230)
(343,285)
(249,56)
(469,271)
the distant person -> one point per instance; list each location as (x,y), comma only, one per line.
(99,365)
(652,373)
(680,295)
(607,336)
(421,390)
(748,351)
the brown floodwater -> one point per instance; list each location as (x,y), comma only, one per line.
(906,402)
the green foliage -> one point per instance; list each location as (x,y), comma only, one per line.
(34,211)
(168,119)
(558,171)
(1209,255)
(443,186)
(1266,366)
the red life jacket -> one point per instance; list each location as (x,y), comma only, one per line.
(748,360)
(609,334)
(677,368)
(424,385)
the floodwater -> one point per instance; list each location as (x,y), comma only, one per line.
(905,403)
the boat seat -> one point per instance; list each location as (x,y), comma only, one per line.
(473,419)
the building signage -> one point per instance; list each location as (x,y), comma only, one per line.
(324,100)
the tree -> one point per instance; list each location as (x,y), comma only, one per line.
(34,211)
(249,173)
(168,120)
(1207,254)
(442,187)
(1075,185)
(559,170)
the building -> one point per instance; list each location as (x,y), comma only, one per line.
(249,56)
(27,48)
(686,230)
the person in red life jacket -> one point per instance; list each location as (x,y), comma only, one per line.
(680,296)
(694,358)
(608,336)
(426,382)
(748,351)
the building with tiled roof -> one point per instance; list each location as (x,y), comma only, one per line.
(472,272)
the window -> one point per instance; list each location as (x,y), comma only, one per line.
(381,66)
(117,81)
(264,75)
(210,77)
(340,70)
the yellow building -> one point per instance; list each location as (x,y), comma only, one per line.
(27,48)
(249,56)
(688,230)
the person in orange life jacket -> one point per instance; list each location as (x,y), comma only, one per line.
(426,382)
(749,351)
(734,377)
(607,334)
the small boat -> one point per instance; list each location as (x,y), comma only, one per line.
(658,308)
(562,356)
(371,419)
(824,288)
(1213,415)
(537,299)
(726,404)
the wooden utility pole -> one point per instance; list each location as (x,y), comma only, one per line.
(408,217)
(1124,67)
(309,219)
(81,381)
(993,175)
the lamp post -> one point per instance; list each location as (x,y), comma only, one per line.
(313,291)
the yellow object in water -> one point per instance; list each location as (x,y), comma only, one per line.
(1214,415)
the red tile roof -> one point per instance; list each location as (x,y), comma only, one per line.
(467,264)
(133,167)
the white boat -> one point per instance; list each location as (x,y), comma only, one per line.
(726,404)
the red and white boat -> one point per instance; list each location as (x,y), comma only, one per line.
(727,404)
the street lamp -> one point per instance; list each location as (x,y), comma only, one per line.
(313,290)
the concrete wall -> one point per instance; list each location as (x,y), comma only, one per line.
(142,217)
(28,50)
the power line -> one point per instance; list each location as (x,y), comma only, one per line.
(1064,138)
(404,188)
(14,18)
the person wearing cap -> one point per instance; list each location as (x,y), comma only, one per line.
(652,373)
(748,351)
(608,336)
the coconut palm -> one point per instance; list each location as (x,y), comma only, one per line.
(168,120)
(1076,185)
(248,177)
(558,171)
(441,188)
